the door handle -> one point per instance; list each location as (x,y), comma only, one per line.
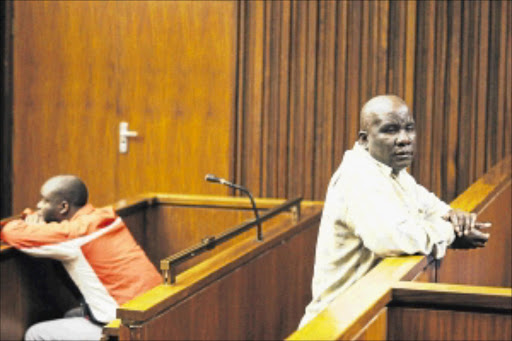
(124,134)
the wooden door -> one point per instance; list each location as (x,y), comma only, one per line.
(82,67)
(178,64)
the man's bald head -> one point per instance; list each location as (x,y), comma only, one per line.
(373,110)
(68,187)
(62,196)
(388,132)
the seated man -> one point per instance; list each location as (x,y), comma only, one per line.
(375,209)
(95,247)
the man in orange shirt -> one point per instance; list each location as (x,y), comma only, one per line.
(95,247)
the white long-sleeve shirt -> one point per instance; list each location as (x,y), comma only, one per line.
(370,213)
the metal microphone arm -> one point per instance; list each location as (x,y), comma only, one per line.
(213,178)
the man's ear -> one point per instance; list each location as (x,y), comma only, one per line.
(64,207)
(363,137)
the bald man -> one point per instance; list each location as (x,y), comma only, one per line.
(96,249)
(375,209)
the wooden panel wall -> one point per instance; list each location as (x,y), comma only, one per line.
(6,116)
(80,67)
(471,267)
(376,329)
(267,92)
(306,67)
(431,324)
(31,290)
(171,229)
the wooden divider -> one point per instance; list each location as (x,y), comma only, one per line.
(368,310)
(429,311)
(251,290)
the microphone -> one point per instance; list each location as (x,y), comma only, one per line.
(215,179)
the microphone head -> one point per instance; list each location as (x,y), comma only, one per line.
(211,178)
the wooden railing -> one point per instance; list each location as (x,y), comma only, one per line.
(233,293)
(381,305)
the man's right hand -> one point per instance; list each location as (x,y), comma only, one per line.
(474,239)
(464,222)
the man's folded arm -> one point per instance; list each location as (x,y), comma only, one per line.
(388,229)
(41,239)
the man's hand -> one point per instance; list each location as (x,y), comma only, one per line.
(34,218)
(471,240)
(464,223)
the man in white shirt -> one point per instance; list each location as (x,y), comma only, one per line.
(375,209)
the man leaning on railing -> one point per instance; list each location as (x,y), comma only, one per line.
(96,249)
(375,209)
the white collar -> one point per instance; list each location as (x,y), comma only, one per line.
(360,150)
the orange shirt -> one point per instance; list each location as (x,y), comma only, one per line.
(97,250)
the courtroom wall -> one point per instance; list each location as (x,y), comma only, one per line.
(306,68)
(266,93)
(82,67)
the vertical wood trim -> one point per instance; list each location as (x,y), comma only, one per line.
(438,129)
(7,112)
(452,99)
(297,94)
(341,80)
(410,52)
(475,17)
(268,88)
(353,64)
(330,57)
(284,102)
(237,138)
(251,174)
(508,99)
(481,107)
(465,98)
(310,98)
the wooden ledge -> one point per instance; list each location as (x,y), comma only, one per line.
(112,328)
(473,198)
(357,305)
(453,295)
(220,201)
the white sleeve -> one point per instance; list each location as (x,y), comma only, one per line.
(433,206)
(388,229)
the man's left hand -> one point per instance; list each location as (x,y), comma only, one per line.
(464,222)
(34,218)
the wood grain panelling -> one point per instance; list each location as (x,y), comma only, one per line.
(263,298)
(6,116)
(173,229)
(267,93)
(176,79)
(376,329)
(314,63)
(64,97)
(430,324)
(496,253)
(168,68)
(31,290)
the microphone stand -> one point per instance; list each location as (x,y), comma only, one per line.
(213,178)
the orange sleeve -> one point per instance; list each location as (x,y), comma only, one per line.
(22,235)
